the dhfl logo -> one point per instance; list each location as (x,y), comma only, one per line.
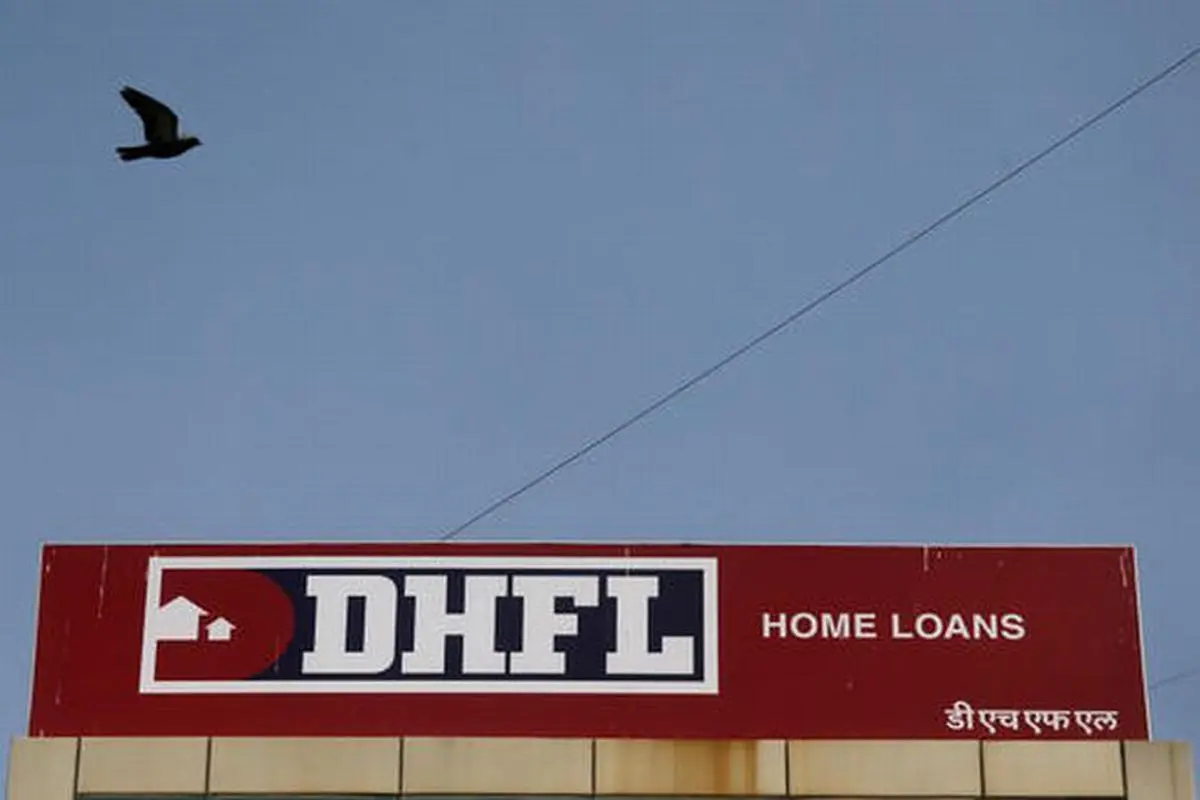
(374,624)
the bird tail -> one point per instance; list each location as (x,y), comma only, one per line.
(132,153)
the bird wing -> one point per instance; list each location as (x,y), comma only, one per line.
(159,121)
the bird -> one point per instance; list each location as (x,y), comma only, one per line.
(161,129)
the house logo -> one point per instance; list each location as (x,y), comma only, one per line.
(179,621)
(377,624)
(213,624)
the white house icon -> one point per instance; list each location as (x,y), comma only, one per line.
(179,621)
(220,630)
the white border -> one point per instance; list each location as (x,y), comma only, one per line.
(37,635)
(157,564)
(1141,641)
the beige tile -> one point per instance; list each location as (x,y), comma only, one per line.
(142,766)
(497,766)
(690,767)
(42,769)
(1052,769)
(884,768)
(305,766)
(1159,771)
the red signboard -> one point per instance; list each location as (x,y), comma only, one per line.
(756,641)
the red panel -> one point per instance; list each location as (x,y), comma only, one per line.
(1070,642)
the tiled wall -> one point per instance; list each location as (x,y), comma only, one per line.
(65,769)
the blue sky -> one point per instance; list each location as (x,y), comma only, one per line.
(428,249)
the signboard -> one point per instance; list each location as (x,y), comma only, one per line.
(755,641)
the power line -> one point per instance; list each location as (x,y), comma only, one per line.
(825,296)
(1176,678)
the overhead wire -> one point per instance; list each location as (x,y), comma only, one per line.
(825,296)
(1178,677)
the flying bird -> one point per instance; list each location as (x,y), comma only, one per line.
(161,129)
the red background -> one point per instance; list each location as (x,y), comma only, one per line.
(1082,650)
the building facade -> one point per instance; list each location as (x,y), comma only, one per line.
(385,767)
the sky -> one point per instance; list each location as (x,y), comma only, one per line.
(429,249)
